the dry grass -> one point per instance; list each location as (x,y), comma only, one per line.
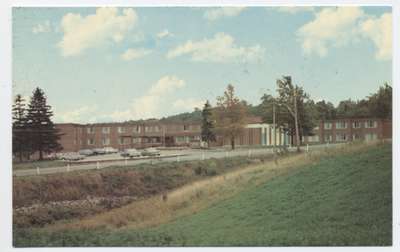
(198,195)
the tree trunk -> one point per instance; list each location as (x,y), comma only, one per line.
(233,143)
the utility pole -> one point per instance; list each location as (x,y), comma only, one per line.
(296,119)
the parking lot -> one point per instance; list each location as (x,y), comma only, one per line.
(112,160)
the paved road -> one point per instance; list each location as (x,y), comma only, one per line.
(168,156)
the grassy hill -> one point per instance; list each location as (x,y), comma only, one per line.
(341,200)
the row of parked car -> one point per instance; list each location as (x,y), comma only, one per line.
(129,153)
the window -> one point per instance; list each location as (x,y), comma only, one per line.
(136,129)
(370,124)
(328,138)
(357,137)
(90,130)
(121,130)
(106,141)
(185,127)
(356,125)
(312,139)
(180,139)
(370,137)
(123,140)
(341,125)
(90,141)
(136,140)
(105,130)
(327,125)
(341,137)
(316,128)
(148,129)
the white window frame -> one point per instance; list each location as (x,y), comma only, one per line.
(326,124)
(330,138)
(341,125)
(374,124)
(355,126)
(121,129)
(340,139)
(90,141)
(105,130)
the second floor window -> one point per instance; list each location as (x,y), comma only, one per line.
(90,130)
(327,125)
(341,125)
(370,124)
(105,130)
(121,130)
(356,125)
(90,141)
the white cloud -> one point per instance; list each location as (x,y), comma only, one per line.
(84,114)
(331,27)
(220,12)
(188,104)
(164,34)
(42,28)
(294,9)
(107,24)
(153,102)
(379,30)
(221,48)
(132,53)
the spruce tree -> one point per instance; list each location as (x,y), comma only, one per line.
(19,129)
(207,126)
(43,134)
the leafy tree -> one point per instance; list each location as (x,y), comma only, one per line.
(43,134)
(325,110)
(207,126)
(380,103)
(230,115)
(292,98)
(19,128)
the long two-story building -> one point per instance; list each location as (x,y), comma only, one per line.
(157,133)
(345,130)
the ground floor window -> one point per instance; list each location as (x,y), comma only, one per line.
(341,137)
(370,136)
(312,139)
(328,138)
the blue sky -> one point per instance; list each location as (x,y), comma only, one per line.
(117,64)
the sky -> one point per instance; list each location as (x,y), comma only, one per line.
(118,64)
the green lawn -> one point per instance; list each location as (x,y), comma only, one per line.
(343,200)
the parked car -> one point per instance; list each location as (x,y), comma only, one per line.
(109,150)
(151,152)
(130,153)
(72,156)
(51,156)
(99,151)
(86,152)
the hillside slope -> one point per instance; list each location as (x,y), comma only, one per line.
(342,200)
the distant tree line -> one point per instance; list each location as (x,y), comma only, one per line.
(32,128)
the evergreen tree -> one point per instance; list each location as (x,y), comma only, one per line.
(19,128)
(43,134)
(207,126)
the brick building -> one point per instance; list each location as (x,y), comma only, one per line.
(344,130)
(157,133)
